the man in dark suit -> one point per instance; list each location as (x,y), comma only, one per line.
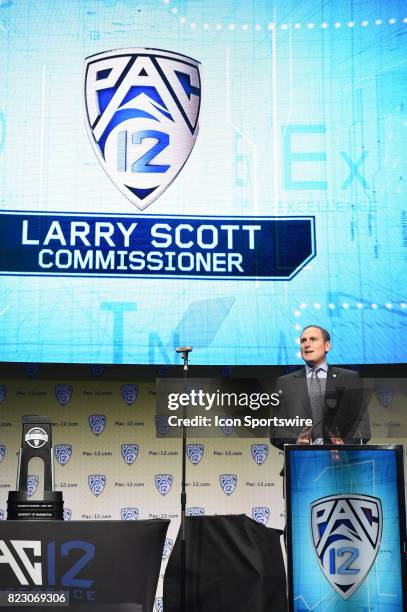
(332,397)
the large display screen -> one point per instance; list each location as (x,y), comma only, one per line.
(346,529)
(217,174)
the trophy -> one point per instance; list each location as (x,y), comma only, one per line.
(36,442)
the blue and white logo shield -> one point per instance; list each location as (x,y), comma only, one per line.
(97,423)
(385,395)
(227,430)
(129,393)
(32,484)
(159,605)
(97,483)
(63,393)
(161,424)
(67,514)
(196,511)
(228,483)
(63,453)
(167,549)
(129,514)
(31,369)
(3,393)
(141,112)
(163,482)
(261,514)
(2,452)
(346,531)
(129,453)
(260,453)
(195,453)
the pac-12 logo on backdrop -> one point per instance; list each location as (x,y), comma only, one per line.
(195,453)
(3,393)
(32,484)
(261,514)
(63,453)
(259,453)
(129,393)
(63,393)
(97,483)
(97,423)
(346,532)
(163,482)
(129,514)
(142,108)
(228,483)
(129,453)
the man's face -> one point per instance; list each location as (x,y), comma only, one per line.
(313,346)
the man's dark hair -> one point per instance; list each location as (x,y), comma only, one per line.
(325,333)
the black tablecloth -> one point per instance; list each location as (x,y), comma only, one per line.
(233,563)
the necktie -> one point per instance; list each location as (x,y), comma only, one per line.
(317,393)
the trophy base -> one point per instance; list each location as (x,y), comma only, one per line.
(21,508)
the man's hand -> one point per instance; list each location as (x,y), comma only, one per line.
(336,440)
(304,437)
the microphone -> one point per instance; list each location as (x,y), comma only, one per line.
(184,349)
(184,352)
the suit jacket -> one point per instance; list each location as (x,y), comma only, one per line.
(345,404)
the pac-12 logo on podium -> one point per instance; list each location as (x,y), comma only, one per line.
(346,532)
(141,109)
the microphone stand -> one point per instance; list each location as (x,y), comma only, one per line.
(184,352)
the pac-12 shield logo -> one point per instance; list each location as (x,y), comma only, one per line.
(129,453)
(161,424)
(196,511)
(63,453)
(67,514)
(97,423)
(32,484)
(385,395)
(97,483)
(228,483)
(141,111)
(346,532)
(167,548)
(63,393)
(163,482)
(261,514)
(3,393)
(129,514)
(129,393)
(260,453)
(195,453)
(226,429)
(159,605)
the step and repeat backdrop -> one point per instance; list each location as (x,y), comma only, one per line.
(210,173)
(114,458)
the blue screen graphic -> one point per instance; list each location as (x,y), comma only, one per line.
(314,476)
(250,111)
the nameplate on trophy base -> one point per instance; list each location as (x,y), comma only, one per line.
(20,508)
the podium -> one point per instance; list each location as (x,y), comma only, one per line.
(345,508)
